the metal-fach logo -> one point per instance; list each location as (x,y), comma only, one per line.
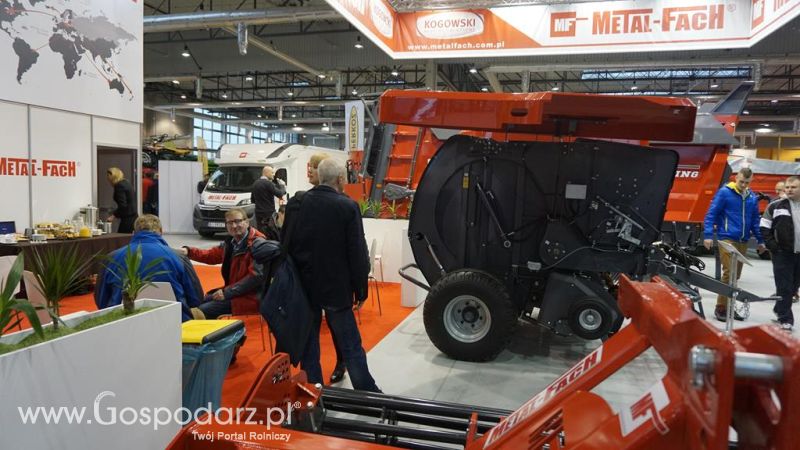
(382,18)
(450,25)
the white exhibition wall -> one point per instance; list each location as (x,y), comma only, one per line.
(61,146)
(177,194)
(14,144)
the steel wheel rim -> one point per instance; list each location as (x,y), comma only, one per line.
(467,319)
(590,319)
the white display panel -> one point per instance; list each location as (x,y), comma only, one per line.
(13,156)
(177,194)
(75,55)
(61,148)
(116,133)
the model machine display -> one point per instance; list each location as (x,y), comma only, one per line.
(540,229)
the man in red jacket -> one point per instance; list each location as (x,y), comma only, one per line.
(243,277)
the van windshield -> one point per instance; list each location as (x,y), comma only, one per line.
(234,179)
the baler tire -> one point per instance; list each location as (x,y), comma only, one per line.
(491,294)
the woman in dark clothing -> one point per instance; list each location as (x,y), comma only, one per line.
(124,198)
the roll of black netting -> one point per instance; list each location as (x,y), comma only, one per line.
(375,149)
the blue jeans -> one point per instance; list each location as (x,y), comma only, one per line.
(345,332)
(214,308)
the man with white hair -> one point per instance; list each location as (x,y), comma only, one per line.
(328,247)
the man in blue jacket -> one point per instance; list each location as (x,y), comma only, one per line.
(734,215)
(147,236)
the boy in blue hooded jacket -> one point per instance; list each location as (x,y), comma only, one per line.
(734,214)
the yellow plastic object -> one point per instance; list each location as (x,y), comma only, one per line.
(85,232)
(204,331)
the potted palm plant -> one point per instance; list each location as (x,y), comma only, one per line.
(10,307)
(131,277)
(59,270)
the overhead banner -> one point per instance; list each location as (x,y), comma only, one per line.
(74,55)
(354,126)
(595,27)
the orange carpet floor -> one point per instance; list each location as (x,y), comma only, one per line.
(251,357)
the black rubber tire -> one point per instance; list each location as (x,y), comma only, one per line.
(207,233)
(502,310)
(605,327)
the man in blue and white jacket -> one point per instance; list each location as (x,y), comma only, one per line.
(734,215)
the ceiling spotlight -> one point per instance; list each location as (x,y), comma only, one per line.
(634,87)
(224,95)
(765,125)
(183,96)
(714,86)
(775,100)
(185,53)
(290,93)
(259,116)
(176,82)
(555,88)
(326,128)
(294,115)
(745,112)
(248,78)
(395,73)
(237,103)
(358,43)
(296,128)
(763,130)
(473,70)
(322,76)
(355,92)
(484,89)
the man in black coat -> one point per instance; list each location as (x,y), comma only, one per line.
(780,227)
(263,195)
(329,249)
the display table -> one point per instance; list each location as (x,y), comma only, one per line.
(87,247)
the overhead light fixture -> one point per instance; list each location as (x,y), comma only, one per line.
(290,93)
(248,78)
(555,88)
(294,115)
(354,92)
(237,103)
(745,112)
(765,125)
(714,86)
(176,82)
(774,100)
(259,116)
(473,70)
(322,76)
(224,95)
(763,130)
(358,43)
(183,96)
(326,128)
(395,73)
(296,128)
(484,89)
(185,53)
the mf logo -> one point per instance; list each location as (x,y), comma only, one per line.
(562,24)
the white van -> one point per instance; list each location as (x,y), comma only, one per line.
(239,167)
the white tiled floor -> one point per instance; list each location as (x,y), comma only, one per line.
(406,363)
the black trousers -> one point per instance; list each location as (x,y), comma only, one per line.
(786,268)
(269,228)
(126,224)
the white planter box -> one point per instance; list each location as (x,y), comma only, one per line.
(126,368)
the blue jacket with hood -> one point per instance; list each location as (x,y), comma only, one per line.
(734,214)
(185,285)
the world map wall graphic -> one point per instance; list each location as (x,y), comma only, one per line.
(95,45)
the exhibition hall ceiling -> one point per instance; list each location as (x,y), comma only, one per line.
(304,59)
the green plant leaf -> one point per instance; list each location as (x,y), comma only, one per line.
(10,306)
(13,277)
